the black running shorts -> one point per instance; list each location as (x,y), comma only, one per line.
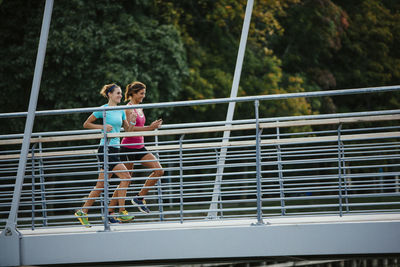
(133,154)
(113,157)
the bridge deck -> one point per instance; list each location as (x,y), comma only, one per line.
(216,239)
(199,224)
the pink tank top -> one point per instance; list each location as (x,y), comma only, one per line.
(138,140)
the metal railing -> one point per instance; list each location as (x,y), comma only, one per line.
(287,166)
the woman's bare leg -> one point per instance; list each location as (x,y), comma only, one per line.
(153,178)
(95,193)
(123,185)
(130,166)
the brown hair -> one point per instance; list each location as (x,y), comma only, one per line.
(108,88)
(133,88)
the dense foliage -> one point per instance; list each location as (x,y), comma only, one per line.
(186,50)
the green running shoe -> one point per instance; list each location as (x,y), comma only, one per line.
(82,217)
(124,216)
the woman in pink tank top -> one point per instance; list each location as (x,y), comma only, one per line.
(133,147)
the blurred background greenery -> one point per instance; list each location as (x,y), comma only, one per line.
(185,50)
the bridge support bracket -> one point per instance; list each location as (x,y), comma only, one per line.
(10,247)
(260,223)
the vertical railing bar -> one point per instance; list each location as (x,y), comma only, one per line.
(217,157)
(346,198)
(159,189)
(105,197)
(33,185)
(280,174)
(258,165)
(181,177)
(340,171)
(381,181)
(221,210)
(169,181)
(42,187)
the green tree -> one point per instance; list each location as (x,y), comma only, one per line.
(370,56)
(211,33)
(311,40)
(313,31)
(91,44)
(342,44)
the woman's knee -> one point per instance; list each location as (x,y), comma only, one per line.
(99,185)
(129,166)
(125,179)
(159,172)
(125,183)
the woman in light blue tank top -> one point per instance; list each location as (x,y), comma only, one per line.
(114,120)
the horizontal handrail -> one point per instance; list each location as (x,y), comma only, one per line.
(221,123)
(281,141)
(161,132)
(212,101)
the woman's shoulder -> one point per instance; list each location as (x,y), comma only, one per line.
(99,112)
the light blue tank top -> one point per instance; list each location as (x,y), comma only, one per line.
(115,119)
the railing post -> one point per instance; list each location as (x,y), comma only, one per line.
(105,152)
(42,187)
(381,180)
(216,194)
(33,185)
(341,170)
(258,165)
(280,174)
(170,189)
(181,177)
(219,199)
(346,196)
(159,189)
(41,182)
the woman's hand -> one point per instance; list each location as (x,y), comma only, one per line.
(156,124)
(131,117)
(109,128)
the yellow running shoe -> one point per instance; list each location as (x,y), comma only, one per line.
(82,217)
(124,216)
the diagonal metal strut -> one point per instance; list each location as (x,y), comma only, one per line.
(12,217)
(212,213)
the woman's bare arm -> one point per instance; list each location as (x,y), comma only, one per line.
(89,124)
(154,125)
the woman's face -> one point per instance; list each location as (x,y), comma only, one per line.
(115,95)
(139,96)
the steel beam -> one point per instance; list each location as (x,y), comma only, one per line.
(231,109)
(10,235)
